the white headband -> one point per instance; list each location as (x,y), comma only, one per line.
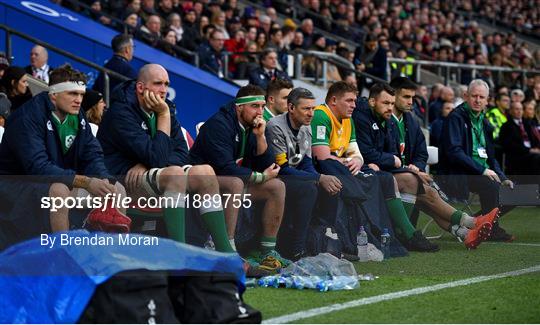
(67,86)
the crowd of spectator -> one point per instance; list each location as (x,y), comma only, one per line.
(522,16)
(404,29)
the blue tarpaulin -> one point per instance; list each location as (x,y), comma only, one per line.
(44,283)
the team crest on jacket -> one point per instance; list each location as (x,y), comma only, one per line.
(143,125)
(69,140)
(375,126)
(83,124)
(49,125)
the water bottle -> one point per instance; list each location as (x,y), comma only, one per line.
(385,243)
(362,244)
(209,244)
(336,283)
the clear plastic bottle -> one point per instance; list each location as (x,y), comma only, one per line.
(337,283)
(209,244)
(385,243)
(362,244)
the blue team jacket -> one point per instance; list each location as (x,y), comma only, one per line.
(125,136)
(218,144)
(31,146)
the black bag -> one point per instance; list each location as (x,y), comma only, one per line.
(210,299)
(131,297)
(143,296)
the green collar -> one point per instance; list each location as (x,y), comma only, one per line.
(475,117)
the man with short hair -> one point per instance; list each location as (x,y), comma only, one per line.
(290,137)
(38,67)
(234,143)
(268,70)
(335,137)
(143,143)
(150,33)
(276,98)
(497,115)
(468,156)
(446,95)
(211,54)
(49,139)
(123,49)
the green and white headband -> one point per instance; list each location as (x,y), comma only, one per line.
(249,99)
(67,86)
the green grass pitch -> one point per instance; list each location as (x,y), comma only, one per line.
(507,300)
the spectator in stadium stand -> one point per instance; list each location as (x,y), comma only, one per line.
(234,143)
(467,156)
(460,92)
(133,6)
(218,20)
(261,39)
(191,38)
(150,33)
(265,23)
(252,62)
(447,95)
(234,24)
(58,146)
(131,19)
(235,44)
(298,41)
(93,106)
(520,144)
(517,95)
(143,144)
(436,126)
(168,44)
(211,54)
(96,13)
(529,108)
(276,41)
(5,110)
(268,70)
(533,92)
(15,85)
(371,58)
(148,8)
(38,67)
(123,49)
(165,8)
(4,64)
(497,115)
(307,31)
(276,98)
(175,23)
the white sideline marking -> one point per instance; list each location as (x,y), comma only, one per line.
(394,295)
(517,244)
(496,243)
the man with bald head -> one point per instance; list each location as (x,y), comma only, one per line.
(143,143)
(38,67)
(446,96)
(468,155)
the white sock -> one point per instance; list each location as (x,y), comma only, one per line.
(467,221)
(233,245)
(459,231)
